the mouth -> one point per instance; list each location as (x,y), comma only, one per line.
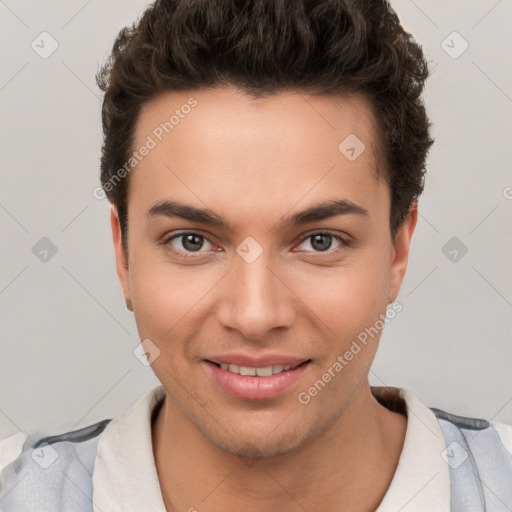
(252,371)
(259,381)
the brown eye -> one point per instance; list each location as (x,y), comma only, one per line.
(189,242)
(192,242)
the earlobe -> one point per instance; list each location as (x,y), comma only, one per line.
(400,252)
(120,255)
(129,304)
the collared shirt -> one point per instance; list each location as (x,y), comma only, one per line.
(125,476)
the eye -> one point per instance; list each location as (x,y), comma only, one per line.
(187,242)
(321,241)
(190,242)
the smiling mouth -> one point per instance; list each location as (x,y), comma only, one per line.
(249,371)
(256,382)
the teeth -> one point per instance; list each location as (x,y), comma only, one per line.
(245,370)
(266,371)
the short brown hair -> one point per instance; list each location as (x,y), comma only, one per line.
(263,47)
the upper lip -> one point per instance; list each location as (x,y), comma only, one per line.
(257,362)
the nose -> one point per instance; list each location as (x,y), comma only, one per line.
(256,299)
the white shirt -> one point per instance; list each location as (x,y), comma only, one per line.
(125,476)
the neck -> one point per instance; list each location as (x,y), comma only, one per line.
(349,467)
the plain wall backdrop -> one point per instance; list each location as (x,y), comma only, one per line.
(67,339)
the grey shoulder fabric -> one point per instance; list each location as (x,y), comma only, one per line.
(480,466)
(52,473)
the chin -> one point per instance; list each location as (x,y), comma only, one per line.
(256,450)
(254,445)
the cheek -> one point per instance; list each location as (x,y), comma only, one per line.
(347,298)
(350,303)
(167,298)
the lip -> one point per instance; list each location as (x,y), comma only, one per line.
(247,387)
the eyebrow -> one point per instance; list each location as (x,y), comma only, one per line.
(315,213)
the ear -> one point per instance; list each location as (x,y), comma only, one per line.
(121,259)
(400,252)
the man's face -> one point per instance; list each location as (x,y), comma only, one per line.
(259,292)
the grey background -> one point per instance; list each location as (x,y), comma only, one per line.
(67,339)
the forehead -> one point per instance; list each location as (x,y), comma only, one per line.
(289,114)
(223,147)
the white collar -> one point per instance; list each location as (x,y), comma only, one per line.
(125,475)
(421,482)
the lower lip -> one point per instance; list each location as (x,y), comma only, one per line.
(255,388)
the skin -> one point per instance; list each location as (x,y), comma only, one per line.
(254,162)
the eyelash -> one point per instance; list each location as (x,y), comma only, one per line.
(344,242)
